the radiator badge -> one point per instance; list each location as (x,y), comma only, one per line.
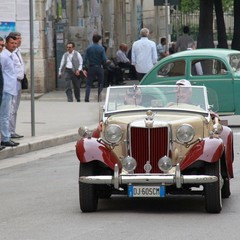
(147,167)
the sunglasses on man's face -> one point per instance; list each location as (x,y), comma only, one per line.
(2,45)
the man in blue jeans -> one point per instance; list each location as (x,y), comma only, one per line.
(95,57)
(9,90)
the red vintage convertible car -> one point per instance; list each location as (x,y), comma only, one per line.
(155,142)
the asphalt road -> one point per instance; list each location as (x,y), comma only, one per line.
(39,200)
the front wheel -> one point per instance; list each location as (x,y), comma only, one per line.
(88,194)
(213,195)
(226,188)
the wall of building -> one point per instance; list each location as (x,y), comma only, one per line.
(58,21)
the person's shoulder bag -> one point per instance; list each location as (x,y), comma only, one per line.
(24,82)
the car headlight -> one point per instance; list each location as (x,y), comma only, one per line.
(113,133)
(165,164)
(185,133)
(129,164)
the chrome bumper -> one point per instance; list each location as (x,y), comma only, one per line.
(147,179)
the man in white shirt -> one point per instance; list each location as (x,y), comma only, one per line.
(20,69)
(70,68)
(123,61)
(9,90)
(121,54)
(144,54)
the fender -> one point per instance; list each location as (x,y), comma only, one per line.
(89,149)
(208,150)
(227,137)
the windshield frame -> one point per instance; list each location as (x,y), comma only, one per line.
(113,92)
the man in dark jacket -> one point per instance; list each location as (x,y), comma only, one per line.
(95,57)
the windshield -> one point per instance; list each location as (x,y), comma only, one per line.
(121,98)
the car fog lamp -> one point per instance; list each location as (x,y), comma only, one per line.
(113,133)
(185,133)
(217,128)
(129,164)
(165,164)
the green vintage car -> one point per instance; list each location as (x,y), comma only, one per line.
(217,69)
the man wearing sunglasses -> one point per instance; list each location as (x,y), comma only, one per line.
(70,69)
(9,90)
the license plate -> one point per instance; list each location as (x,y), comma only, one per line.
(146,191)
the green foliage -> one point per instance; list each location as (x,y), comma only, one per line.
(188,6)
(227,5)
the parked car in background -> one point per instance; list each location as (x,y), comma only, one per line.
(217,69)
(154,142)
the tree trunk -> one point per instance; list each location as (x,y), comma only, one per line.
(205,35)
(221,29)
(236,31)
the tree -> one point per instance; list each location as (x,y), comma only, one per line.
(188,6)
(236,33)
(221,29)
(205,36)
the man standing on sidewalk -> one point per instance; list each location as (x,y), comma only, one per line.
(144,54)
(70,67)
(9,90)
(20,70)
(95,57)
(185,41)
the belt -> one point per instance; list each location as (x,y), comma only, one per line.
(68,69)
(95,65)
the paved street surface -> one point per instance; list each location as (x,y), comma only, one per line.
(39,189)
(57,121)
(39,201)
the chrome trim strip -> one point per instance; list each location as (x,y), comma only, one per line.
(149,179)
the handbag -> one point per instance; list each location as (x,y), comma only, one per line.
(24,82)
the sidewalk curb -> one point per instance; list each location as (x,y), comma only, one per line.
(39,143)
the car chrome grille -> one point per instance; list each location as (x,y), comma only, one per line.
(148,144)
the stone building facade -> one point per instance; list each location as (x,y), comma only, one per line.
(57,21)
